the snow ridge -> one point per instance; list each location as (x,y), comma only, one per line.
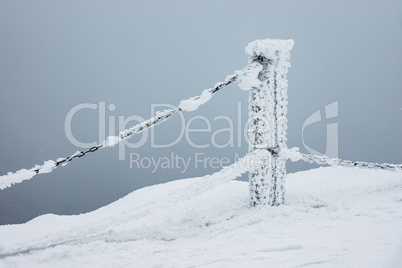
(334,217)
(202,185)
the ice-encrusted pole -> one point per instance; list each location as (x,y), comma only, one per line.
(267,115)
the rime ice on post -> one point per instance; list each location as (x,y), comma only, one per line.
(267,113)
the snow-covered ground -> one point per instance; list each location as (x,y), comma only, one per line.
(333,217)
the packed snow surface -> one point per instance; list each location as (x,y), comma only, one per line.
(333,217)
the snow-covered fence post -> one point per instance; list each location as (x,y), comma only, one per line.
(267,118)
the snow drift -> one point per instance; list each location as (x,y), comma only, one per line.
(332,217)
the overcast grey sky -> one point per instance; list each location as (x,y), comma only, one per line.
(55,55)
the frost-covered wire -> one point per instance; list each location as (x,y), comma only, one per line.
(185,105)
(324,160)
(294,155)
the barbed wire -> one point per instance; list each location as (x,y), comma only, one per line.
(324,160)
(126,134)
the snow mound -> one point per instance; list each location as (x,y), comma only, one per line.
(333,217)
